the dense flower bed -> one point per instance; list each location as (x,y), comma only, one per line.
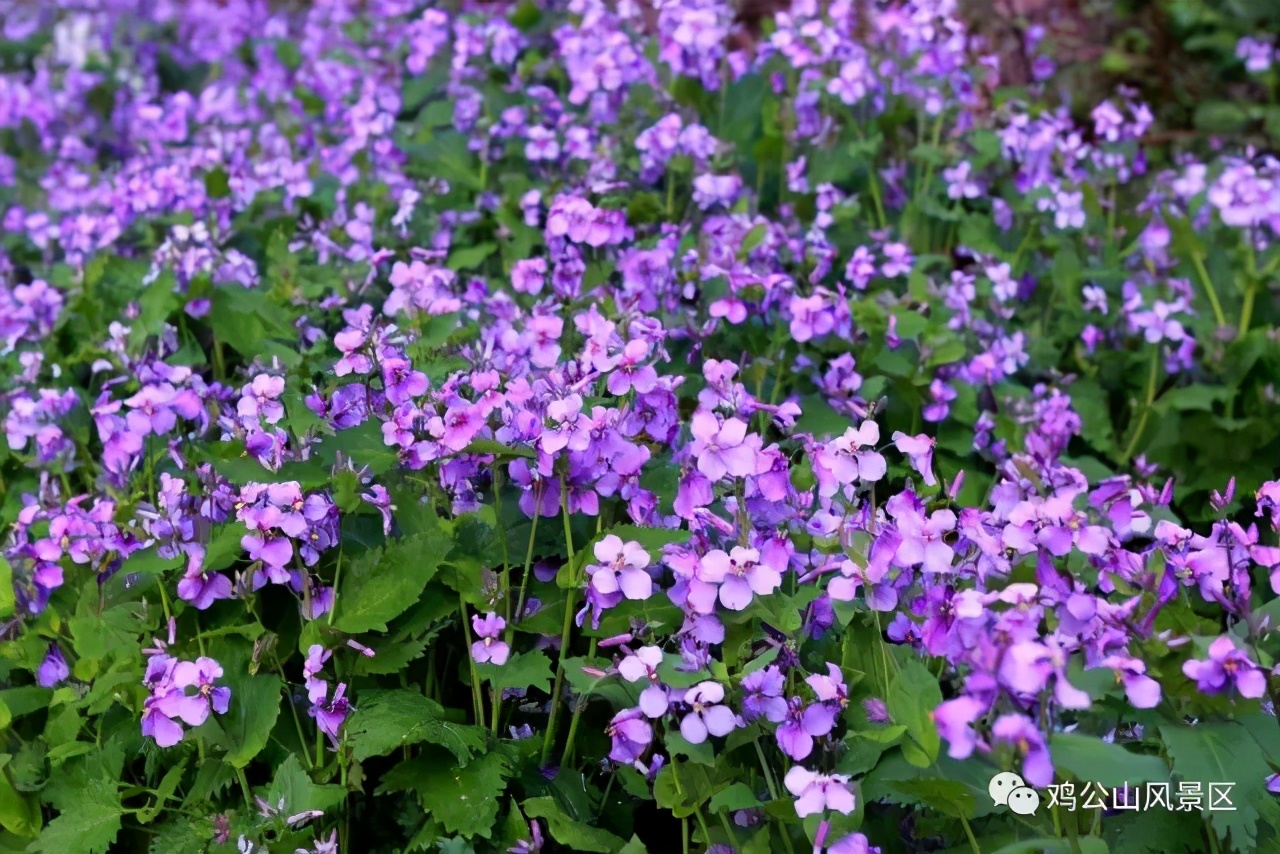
(608,427)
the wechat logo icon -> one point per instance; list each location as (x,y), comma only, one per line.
(1008,789)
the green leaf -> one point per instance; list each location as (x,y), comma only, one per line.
(574,835)
(384,583)
(1225,752)
(113,632)
(249,322)
(386,720)
(19,813)
(1090,759)
(168,785)
(7,602)
(737,797)
(463,799)
(470,257)
(90,828)
(914,695)
(945,796)
(523,670)
(294,786)
(255,705)
(1053,845)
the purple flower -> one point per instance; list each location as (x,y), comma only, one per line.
(817,793)
(919,450)
(200,587)
(719,448)
(792,736)
(643,665)
(622,569)
(762,695)
(331,714)
(955,719)
(739,574)
(1227,667)
(488,648)
(706,715)
(1021,732)
(53,669)
(631,734)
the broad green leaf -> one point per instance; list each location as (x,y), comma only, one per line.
(737,797)
(914,695)
(295,787)
(945,796)
(255,705)
(574,835)
(522,670)
(386,720)
(381,585)
(1090,759)
(19,813)
(90,828)
(470,257)
(1224,752)
(463,799)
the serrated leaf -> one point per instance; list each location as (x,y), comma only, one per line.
(168,785)
(384,583)
(386,720)
(90,828)
(1224,752)
(463,799)
(574,835)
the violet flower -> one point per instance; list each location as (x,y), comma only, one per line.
(489,648)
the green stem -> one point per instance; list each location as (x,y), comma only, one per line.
(1073,833)
(297,721)
(764,766)
(506,559)
(1213,839)
(244,788)
(773,791)
(1146,406)
(923,186)
(684,835)
(1251,291)
(549,738)
(577,714)
(337,576)
(1210,291)
(968,831)
(477,698)
(528,564)
(729,831)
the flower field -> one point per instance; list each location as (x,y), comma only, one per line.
(570,425)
